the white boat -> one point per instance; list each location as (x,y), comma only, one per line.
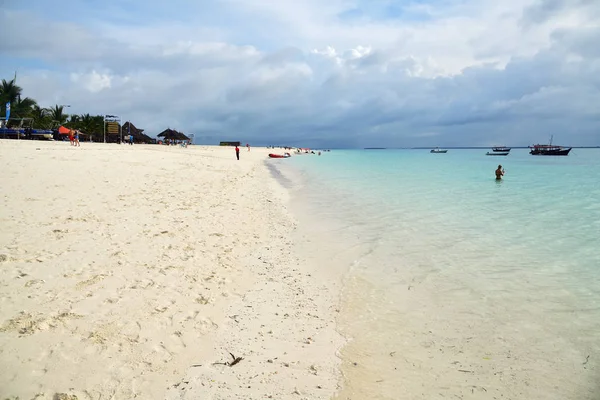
(497,153)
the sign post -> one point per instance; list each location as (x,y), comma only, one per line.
(114,125)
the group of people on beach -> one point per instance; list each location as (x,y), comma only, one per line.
(237,150)
(74,137)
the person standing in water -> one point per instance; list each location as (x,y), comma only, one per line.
(499,172)
(237,152)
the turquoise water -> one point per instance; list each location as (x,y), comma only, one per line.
(484,288)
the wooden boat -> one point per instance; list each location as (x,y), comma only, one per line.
(501,149)
(438,150)
(549,149)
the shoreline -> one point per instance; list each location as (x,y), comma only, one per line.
(131,272)
(298,356)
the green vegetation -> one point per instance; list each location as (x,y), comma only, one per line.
(46,118)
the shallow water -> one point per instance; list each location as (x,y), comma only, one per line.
(460,286)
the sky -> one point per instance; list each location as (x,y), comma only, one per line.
(336,73)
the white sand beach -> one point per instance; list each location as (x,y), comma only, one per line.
(134,271)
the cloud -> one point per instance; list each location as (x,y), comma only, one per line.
(546,10)
(93,82)
(582,42)
(440,72)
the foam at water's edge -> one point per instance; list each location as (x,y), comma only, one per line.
(313,240)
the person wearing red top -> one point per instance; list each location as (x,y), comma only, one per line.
(237,152)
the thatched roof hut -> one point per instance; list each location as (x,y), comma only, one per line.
(172,134)
(138,135)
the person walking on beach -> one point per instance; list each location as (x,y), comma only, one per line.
(248,146)
(130,139)
(237,152)
(77,138)
(499,172)
(71,137)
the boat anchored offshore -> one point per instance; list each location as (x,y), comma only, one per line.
(549,150)
(501,149)
(438,150)
(497,153)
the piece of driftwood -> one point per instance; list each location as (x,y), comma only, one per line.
(234,360)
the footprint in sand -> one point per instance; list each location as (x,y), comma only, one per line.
(64,396)
(28,324)
(105,333)
(60,233)
(34,282)
(160,310)
(204,300)
(144,284)
(88,282)
(202,325)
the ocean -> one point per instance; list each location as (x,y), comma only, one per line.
(457,285)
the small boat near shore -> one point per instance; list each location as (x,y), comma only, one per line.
(438,150)
(549,149)
(284,155)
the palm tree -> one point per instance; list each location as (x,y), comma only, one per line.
(48,118)
(97,124)
(40,116)
(85,121)
(74,122)
(22,107)
(56,114)
(37,112)
(9,93)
